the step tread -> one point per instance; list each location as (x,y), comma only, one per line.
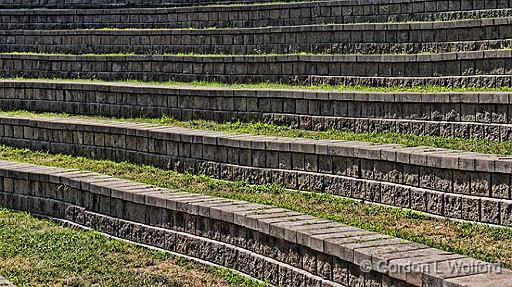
(421,155)
(397,258)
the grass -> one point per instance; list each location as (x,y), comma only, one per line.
(164,54)
(268,85)
(65,54)
(492,244)
(257,128)
(36,252)
(390,22)
(220,54)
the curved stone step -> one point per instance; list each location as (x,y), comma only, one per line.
(293,14)
(453,184)
(284,247)
(381,38)
(398,5)
(475,115)
(476,69)
(99,4)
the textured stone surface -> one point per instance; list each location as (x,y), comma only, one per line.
(453,69)
(229,233)
(124,100)
(438,181)
(478,34)
(284,14)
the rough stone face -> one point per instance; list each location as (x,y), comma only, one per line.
(500,186)
(453,206)
(112,99)
(462,182)
(212,229)
(480,184)
(354,70)
(418,178)
(471,209)
(490,211)
(280,14)
(268,40)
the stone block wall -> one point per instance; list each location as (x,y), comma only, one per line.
(418,5)
(303,13)
(468,69)
(284,247)
(480,115)
(454,184)
(15,4)
(384,38)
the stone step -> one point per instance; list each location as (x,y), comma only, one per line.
(381,38)
(453,184)
(92,4)
(472,115)
(491,68)
(280,246)
(292,14)
(427,5)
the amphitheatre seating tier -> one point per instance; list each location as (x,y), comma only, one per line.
(88,4)
(411,6)
(453,184)
(284,247)
(384,38)
(405,6)
(471,115)
(301,13)
(491,68)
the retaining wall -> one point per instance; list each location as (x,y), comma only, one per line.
(418,5)
(433,37)
(16,4)
(453,184)
(274,244)
(304,13)
(482,115)
(469,69)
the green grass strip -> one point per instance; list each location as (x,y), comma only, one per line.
(37,252)
(492,244)
(269,85)
(258,128)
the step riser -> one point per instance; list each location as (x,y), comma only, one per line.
(222,242)
(369,41)
(215,252)
(211,17)
(493,70)
(440,182)
(382,6)
(337,48)
(461,115)
(92,4)
(284,247)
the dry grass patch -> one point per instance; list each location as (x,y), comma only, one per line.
(40,253)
